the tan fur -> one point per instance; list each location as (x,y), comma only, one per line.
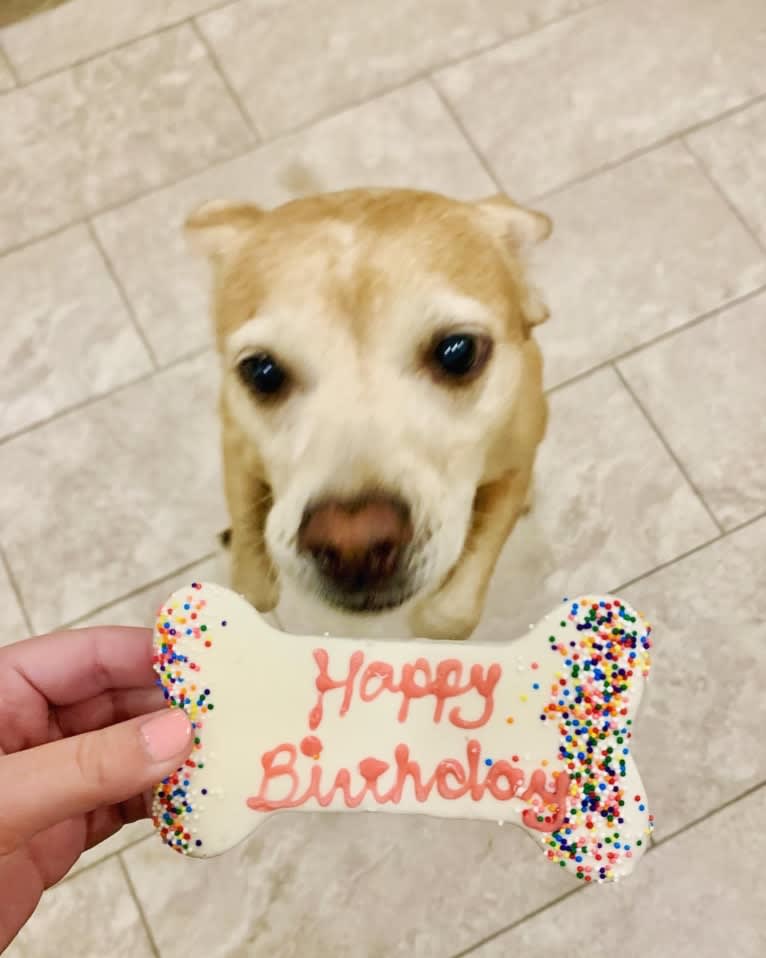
(348,290)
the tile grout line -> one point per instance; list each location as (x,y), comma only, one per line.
(75,64)
(93,400)
(461,128)
(667,446)
(74,623)
(108,208)
(694,823)
(661,337)
(429,76)
(420,77)
(137,902)
(48,234)
(212,55)
(16,590)
(502,39)
(10,65)
(655,845)
(727,533)
(180,570)
(201,350)
(724,196)
(581,886)
(74,875)
(723,534)
(126,301)
(674,137)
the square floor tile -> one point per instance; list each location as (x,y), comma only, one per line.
(694,897)
(129,489)
(316,57)
(92,914)
(109,129)
(696,741)
(78,29)
(13,627)
(555,105)
(706,391)
(67,335)
(734,153)
(346,886)
(610,504)
(403,139)
(635,252)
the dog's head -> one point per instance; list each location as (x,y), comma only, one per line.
(373,351)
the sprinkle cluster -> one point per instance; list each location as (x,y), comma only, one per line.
(604,648)
(175,799)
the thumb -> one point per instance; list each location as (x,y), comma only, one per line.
(42,786)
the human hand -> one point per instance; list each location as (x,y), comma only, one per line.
(81,740)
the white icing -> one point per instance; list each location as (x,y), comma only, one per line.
(263,687)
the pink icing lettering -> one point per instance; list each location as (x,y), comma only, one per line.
(444,688)
(383,673)
(417,681)
(410,688)
(451,779)
(504,771)
(451,767)
(485,686)
(311,746)
(324,684)
(276,770)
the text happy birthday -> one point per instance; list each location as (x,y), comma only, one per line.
(462,696)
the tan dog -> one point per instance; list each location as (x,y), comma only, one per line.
(382,395)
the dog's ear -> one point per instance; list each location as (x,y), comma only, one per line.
(520,227)
(217,228)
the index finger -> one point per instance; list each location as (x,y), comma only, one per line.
(67,667)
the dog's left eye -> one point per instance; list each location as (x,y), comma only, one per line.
(461,355)
(263,374)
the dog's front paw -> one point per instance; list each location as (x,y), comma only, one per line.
(446,615)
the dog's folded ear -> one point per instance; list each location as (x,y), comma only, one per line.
(217,228)
(520,227)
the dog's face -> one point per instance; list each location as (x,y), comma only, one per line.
(372,352)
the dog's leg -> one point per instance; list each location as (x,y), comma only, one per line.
(252,573)
(453,612)
(249,499)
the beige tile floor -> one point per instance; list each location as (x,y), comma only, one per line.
(640,125)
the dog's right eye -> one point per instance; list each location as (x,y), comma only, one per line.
(262,374)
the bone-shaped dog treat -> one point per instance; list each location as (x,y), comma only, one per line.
(535,732)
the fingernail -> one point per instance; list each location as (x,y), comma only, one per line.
(166,735)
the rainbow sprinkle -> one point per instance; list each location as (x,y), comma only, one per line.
(175,798)
(604,648)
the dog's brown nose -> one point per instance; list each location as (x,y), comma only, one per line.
(356,545)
